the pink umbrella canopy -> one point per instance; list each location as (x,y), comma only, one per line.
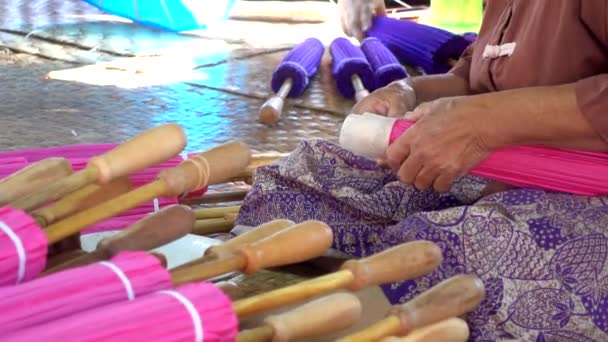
(125,277)
(23,247)
(193,312)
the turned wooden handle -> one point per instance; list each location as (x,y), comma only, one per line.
(271,110)
(212,226)
(253,235)
(207,213)
(319,317)
(33,178)
(451,298)
(291,245)
(405,261)
(85,198)
(149,148)
(158,229)
(207,168)
(450,330)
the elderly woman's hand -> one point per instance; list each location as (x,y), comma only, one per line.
(394,100)
(443,144)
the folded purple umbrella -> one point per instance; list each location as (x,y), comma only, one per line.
(419,45)
(471,37)
(300,65)
(348,60)
(292,76)
(385,65)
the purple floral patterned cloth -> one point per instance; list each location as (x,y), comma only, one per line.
(542,255)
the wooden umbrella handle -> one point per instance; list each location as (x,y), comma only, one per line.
(319,317)
(82,199)
(291,245)
(253,235)
(449,330)
(271,110)
(32,178)
(207,168)
(405,261)
(158,229)
(208,213)
(451,298)
(149,148)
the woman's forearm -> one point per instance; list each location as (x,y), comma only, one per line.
(546,116)
(432,87)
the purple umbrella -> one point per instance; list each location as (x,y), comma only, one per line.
(419,45)
(385,65)
(351,70)
(292,76)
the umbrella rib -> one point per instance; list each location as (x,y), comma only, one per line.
(19,247)
(122,276)
(162,2)
(197,322)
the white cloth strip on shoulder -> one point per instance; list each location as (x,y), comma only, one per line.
(196,318)
(122,276)
(495,51)
(18,248)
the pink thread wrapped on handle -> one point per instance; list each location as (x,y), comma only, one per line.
(575,172)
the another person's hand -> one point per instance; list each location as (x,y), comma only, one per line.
(442,146)
(394,100)
(356,15)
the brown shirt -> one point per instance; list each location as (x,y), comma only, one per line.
(556,42)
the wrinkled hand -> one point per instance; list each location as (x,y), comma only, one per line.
(356,15)
(394,100)
(442,146)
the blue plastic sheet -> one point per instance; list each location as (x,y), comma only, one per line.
(174,15)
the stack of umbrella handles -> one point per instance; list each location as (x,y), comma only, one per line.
(262,247)
(281,242)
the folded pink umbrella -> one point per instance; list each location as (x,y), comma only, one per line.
(4,161)
(131,216)
(576,172)
(124,277)
(23,248)
(68,151)
(193,312)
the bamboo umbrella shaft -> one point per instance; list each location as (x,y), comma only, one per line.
(292,294)
(295,244)
(79,221)
(209,269)
(219,197)
(406,261)
(81,199)
(376,331)
(33,177)
(212,226)
(260,334)
(208,213)
(58,189)
(64,257)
